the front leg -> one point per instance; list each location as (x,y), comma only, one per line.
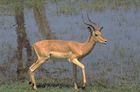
(76,62)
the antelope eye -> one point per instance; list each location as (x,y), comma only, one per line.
(96,35)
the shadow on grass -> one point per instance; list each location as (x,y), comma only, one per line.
(43,85)
(58,85)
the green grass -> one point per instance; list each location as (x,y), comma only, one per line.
(24,87)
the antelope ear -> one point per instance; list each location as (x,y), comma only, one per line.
(90,29)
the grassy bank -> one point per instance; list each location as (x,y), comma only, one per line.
(24,87)
(72,6)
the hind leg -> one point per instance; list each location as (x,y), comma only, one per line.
(29,73)
(32,69)
(75,76)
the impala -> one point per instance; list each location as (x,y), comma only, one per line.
(71,50)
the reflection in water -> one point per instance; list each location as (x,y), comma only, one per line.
(22,42)
(41,21)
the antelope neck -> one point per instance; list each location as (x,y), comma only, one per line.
(88,45)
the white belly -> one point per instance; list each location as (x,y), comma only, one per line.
(60,54)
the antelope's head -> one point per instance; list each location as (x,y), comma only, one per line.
(95,31)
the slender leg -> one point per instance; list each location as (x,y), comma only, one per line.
(30,82)
(76,62)
(75,76)
(29,72)
(33,68)
(30,68)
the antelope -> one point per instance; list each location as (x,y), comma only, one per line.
(71,50)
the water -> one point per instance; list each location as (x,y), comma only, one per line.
(120,57)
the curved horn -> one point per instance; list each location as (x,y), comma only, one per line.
(85,22)
(90,20)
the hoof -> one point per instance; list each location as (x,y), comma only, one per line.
(30,82)
(84,88)
(34,87)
